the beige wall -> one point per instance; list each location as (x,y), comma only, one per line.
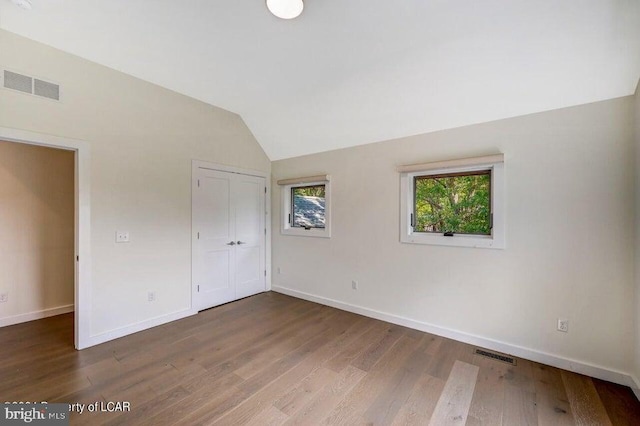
(36,224)
(142,140)
(570,249)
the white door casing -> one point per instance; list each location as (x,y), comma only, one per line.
(82,225)
(228,237)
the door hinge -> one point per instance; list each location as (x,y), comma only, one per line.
(265,272)
(198,183)
(289,217)
(265,231)
(198,288)
(198,235)
(265,189)
(78,258)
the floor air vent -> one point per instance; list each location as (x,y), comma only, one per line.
(496,356)
(33,86)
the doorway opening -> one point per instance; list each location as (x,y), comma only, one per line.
(47,232)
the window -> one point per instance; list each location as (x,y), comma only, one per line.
(306,206)
(454,203)
(458,203)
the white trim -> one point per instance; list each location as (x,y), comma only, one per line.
(82,287)
(557,361)
(195,164)
(268,225)
(35,315)
(308,179)
(200,164)
(497,239)
(285,226)
(140,326)
(635,385)
(461,162)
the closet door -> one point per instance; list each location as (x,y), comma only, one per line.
(250,235)
(229,240)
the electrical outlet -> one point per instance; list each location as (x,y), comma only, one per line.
(122,237)
(4,297)
(151,296)
(279,270)
(563,325)
(354,284)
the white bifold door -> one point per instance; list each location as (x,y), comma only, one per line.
(229,235)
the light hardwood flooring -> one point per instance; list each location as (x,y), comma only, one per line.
(272,359)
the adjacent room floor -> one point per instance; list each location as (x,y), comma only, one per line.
(273,359)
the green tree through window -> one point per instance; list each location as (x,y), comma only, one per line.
(454,202)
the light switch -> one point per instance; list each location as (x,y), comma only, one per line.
(122,237)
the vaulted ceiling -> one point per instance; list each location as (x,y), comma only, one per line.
(350,72)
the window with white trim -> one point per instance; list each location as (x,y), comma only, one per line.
(306,206)
(454,203)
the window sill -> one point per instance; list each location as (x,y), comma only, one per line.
(475,241)
(313,232)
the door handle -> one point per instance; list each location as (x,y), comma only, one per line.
(232,243)
(241,242)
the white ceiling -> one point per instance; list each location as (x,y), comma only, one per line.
(349,72)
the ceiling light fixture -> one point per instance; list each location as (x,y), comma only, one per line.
(284,9)
(25,4)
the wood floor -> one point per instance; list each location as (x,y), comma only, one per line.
(272,359)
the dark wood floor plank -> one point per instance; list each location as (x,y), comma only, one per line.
(620,403)
(304,392)
(143,411)
(310,361)
(352,408)
(454,402)
(376,350)
(345,356)
(206,394)
(398,387)
(552,403)
(273,359)
(487,404)
(328,398)
(444,357)
(585,402)
(519,406)
(419,406)
(270,416)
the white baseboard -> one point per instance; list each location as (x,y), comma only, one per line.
(635,385)
(36,315)
(557,361)
(139,326)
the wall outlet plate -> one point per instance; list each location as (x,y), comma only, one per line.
(563,325)
(122,236)
(354,284)
(4,297)
(151,296)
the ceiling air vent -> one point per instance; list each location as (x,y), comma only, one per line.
(496,356)
(34,86)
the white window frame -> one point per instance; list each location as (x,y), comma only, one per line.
(497,238)
(288,229)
